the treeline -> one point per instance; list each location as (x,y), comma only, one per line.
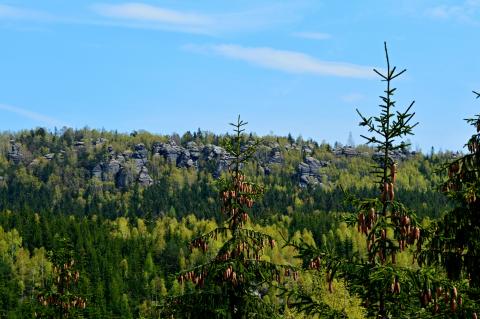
(55,176)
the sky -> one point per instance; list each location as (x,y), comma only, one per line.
(292,66)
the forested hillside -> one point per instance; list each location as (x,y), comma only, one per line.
(125,206)
(86,172)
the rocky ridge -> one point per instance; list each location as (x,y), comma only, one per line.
(130,166)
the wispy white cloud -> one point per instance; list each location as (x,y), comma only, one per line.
(40,118)
(286,61)
(139,12)
(313,35)
(139,15)
(464,12)
(136,14)
(19,13)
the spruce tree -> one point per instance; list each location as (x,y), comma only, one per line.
(388,290)
(231,285)
(454,240)
(60,298)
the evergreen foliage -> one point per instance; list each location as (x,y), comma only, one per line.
(387,288)
(454,240)
(59,298)
(233,282)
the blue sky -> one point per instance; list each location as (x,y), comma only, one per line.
(299,66)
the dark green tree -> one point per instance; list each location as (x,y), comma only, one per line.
(454,242)
(59,299)
(231,285)
(9,291)
(387,289)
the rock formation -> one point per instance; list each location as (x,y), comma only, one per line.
(14,154)
(309,171)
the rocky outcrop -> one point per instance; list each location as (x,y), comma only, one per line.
(275,156)
(107,171)
(194,150)
(185,160)
(143,178)
(193,155)
(170,151)
(139,156)
(211,152)
(217,155)
(125,168)
(201,156)
(347,151)
(292,146)
(14,154)
(396,155)
(306,150)
(140,151)
(112,167)
(269,154)
(309,171)
(124,178)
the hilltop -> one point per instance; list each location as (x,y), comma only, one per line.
(87,171)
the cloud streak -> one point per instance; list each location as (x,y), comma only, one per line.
(144,13)
(464,12)
(43,119)
(286,61)
(19,13)
(137,15)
